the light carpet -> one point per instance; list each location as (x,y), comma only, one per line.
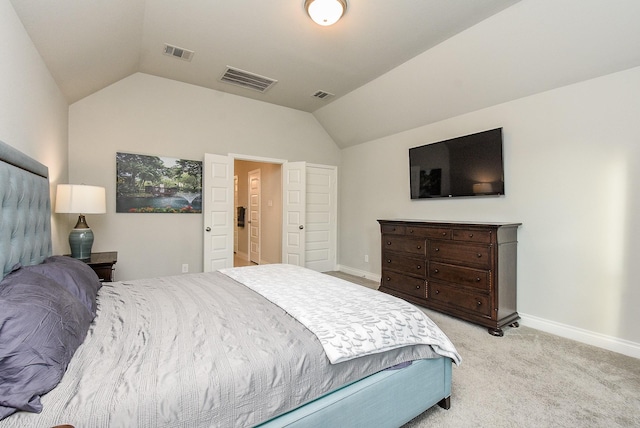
(530,378)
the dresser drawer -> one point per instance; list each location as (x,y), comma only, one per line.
(466,254)
(429,232)
(404,284)
(402,263)
(393,229)
(471,235)
(404,244)
(470,302)
(476,278)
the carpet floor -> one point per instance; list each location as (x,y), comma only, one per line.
(530,378)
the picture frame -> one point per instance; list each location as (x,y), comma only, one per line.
(157,184)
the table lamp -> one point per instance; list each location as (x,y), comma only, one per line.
(80,199)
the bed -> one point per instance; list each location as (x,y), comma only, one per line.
(221,349)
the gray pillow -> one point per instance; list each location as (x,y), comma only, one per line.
(74,275)
(42,325)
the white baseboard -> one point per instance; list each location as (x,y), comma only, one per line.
(610,343)
(358,272)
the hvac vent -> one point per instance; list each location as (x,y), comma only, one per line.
(176,52)
(322,95)
(247,80)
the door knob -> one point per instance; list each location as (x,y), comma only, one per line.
(301,227)
(208,229)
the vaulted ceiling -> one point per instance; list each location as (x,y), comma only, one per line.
(391,65)
(88,45)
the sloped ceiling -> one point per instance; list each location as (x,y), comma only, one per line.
(531,47)
(392,65)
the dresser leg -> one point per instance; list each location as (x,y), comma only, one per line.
(496,332)
(514,324)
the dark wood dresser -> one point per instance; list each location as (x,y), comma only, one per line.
(467,270)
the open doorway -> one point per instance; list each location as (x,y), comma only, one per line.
(264,245)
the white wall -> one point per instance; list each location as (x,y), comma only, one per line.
(572,168)
(33,112)
(155,116)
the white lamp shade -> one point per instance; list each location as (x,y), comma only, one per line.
(325,12)
(80,199)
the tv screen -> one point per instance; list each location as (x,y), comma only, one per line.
(464,166)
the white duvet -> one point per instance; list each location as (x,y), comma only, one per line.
(349,320)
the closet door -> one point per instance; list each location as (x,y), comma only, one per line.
(293,216)
(321,217)
(217,206)
(309,214)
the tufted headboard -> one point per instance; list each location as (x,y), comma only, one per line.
(25,211)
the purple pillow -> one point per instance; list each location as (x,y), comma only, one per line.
(74,275)
(41,326)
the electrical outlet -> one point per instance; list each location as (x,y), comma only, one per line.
(366,258)
(185,267)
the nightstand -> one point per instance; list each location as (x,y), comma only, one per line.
(102,264)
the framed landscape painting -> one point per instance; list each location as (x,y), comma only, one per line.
(155,184)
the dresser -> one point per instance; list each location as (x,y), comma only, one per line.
(467,270)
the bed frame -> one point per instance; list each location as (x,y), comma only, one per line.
(25,218)
(386,399)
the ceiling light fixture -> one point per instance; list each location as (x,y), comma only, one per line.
(325,12)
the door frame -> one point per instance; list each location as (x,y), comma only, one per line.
(235,156)
(260,159)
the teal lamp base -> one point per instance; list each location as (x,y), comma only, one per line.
(81,240)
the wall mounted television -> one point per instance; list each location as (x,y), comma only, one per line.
(470,165)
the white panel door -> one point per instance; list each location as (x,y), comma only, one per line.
(293,215)
(235,213)
(218,212)
(321,217)
(254,216)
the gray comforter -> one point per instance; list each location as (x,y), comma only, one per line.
(195,350)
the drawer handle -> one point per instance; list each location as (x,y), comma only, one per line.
(479,303)
(437,249)
(479,255)
(417,287)
(388,242)
(410,230)
(388,260)
(418,267)
(388,279)
(419,247)
(478,279)
(436,271)
(437,291)
(471,235)
(444,233)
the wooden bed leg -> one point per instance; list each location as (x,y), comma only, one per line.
(445,403)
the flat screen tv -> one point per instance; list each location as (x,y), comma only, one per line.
(470,165)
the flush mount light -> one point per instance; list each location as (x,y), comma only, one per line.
(325,12)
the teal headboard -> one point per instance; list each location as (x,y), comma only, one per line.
(25,210)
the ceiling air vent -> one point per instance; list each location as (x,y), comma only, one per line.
(176,52)
(247,80)
(323,95)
